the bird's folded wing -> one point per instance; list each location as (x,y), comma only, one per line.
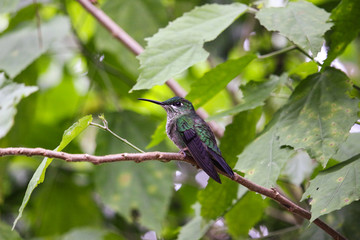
(198,150)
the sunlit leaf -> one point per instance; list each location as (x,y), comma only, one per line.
(10,95)
(319,115)
(334,188)
(39,174)
(180,45)
(216,80)
(158,136)
(255,93)
(344,30)
(21,46)
(301,22)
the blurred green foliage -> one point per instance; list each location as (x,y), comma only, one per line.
(260,82)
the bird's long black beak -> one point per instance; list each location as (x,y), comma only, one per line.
(153,101)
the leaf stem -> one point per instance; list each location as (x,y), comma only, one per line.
(106,128)
(278,52)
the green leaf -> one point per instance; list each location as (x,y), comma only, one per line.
(334,188)
(238,134)
(216,80)
(255,93)
(127,186)
(349,148)
(301,22)
(39,174)
(245,214)
(180,45)
(21,47)
(262,160)
(215,199)
(344,30)
(304,69)
(7,234)
(196,228)
(319,115)
(158,136)
(11,93)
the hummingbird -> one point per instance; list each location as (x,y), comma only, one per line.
(193,136)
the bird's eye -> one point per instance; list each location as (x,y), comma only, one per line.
(178,104)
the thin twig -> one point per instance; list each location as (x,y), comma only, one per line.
(136,48)
(278,52)
(166,157)
(38,24)
(106,128)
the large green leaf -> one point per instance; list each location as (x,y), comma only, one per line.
(10,95)
(344,30)
(180,45)
(334,188)
(301,22)
(262,160)
(319,115)
(255,93)
(216,80)
(127,186)
(39,174)
(21,47)
(245,214)
(196,227)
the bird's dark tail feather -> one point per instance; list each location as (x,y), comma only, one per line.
(220,163)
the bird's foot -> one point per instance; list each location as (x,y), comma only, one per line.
(183,151)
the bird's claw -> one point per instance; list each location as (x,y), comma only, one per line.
(182,151)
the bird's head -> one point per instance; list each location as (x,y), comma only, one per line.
(174,106)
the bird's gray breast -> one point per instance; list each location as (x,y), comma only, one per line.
(173,134)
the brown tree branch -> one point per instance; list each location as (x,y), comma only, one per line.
(118,33)
(166,157)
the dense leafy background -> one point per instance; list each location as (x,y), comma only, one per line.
(288,120)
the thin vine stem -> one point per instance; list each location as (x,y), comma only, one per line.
(106,128)
(278,52)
